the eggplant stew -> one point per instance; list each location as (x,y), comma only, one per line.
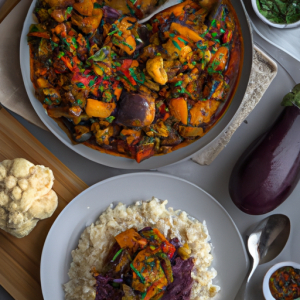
(135,90)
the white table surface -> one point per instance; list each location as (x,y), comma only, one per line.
(214,178)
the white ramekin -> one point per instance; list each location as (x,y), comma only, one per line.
(292,25)
(265,287)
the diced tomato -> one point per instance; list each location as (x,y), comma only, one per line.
(129,77)
(167,115)
(67,62)
(168,248)
(78,78)
(126,63)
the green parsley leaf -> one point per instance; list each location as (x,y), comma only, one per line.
(113,32)
(149,27)
(176,45)
(80,85)
(182,40)
(110,119)
(47,101)
(68,11)
(91,83)
(178,83)
(61,54)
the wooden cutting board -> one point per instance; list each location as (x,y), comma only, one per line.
(20,258)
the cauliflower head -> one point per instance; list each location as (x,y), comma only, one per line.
(26,196)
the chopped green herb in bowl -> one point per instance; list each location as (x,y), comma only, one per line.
(278,13)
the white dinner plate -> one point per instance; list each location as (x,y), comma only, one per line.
(230,258)
(156,161)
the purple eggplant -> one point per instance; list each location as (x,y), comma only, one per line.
(268,171)
(110,14)
(136,110)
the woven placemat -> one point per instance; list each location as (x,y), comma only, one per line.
(264,70)
(14,97)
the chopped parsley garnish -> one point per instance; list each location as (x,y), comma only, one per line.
(61,54)
(176,45)
(80,85)
(110,119)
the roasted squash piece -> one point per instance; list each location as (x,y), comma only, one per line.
(144,151)
(84,7)
(131,135)
(129,45)
(118,92)
(161,129)
(175,45)
(219,60)
(43,83)
(186,32)
(149,273)
(202,111)
(188,131)
(179,110)
(129,239)
(95,108)
(124,38)
(88,24)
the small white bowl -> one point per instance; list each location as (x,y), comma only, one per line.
(292,25)
(265,287)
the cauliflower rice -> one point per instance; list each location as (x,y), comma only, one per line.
(97,239)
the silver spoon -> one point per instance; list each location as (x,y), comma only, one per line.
(264,243)
(162,7)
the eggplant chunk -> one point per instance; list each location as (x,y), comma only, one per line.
(172,140)
(136,110)
(268,171)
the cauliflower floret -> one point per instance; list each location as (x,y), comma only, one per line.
(26,196)
(155,68)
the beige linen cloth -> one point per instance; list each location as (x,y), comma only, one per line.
(14,97)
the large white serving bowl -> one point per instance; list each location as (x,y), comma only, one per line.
(230,258)
(156,161)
